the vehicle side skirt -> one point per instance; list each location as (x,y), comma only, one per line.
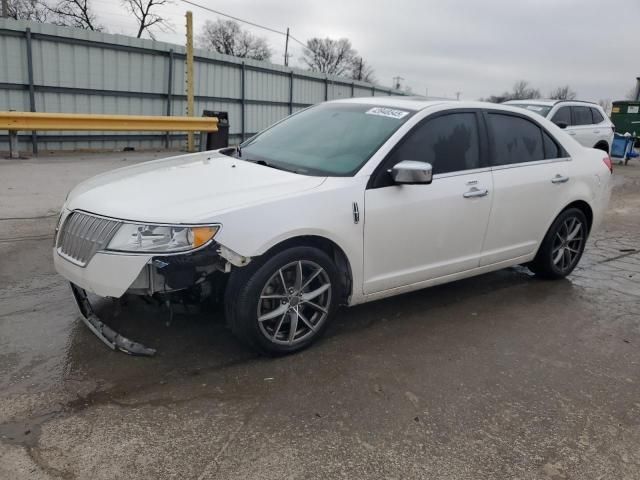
(445,279)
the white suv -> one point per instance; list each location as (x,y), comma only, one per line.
(342,203)
(585,121)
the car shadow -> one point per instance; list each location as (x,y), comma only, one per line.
(197,342)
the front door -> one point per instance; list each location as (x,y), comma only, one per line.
(414,233)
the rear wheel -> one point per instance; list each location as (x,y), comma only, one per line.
(602,146)
(284,303)
(562,246)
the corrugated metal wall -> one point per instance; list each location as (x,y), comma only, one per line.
(80,71)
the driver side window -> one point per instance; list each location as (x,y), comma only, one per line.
(450,143)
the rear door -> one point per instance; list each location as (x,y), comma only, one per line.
(582,128)
(530,183)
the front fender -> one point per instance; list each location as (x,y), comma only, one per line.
(325,212)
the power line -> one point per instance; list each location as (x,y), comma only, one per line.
(269,29)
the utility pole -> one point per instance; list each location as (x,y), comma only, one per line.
(5,8)
(286,50)
(189,60)
(458,95)
(396,82)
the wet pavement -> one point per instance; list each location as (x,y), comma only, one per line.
(498,376)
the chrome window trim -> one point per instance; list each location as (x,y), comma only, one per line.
(459,173)
(527,164)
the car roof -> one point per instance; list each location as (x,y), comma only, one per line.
(420,103)
(393,101)
(546,102)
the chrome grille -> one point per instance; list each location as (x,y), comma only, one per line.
(82,235)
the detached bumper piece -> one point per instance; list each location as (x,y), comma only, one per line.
(109,337)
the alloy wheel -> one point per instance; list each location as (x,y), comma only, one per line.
(294,303)
(567,244)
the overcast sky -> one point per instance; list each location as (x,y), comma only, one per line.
(474,47)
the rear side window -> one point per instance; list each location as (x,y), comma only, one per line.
(582,116)
(551,148)
(562,115)
(515,140)
(449,143)
(597,116)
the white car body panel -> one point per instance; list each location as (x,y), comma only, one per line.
(404,240)
(435,241)
(107,275)
(187,189)
(524,200)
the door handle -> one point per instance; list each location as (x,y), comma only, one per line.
(475,192)
(559,179)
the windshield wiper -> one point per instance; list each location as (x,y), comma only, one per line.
(271,165)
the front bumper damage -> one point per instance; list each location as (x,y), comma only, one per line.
(189,277)
(108,336)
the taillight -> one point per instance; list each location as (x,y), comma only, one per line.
(608,163)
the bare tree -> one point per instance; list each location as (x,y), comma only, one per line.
(141,10)
(33,10)
(563,93)
(74,13)
(333,57)
(498,98)
(523,91)
(361,70)
(226,36)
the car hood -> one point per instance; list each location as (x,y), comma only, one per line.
(185,189)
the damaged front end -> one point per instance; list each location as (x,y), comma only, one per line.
(167,280)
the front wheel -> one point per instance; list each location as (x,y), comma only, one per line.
(284,303)
(562,247)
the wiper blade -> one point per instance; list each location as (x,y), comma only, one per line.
(271,165)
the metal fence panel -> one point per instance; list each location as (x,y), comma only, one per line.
(79,71)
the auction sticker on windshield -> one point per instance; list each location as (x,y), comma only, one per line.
(387,112)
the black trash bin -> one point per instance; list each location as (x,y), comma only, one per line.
(219,139)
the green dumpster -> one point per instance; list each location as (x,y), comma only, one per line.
(625,115)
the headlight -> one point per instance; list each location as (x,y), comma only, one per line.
(160,238)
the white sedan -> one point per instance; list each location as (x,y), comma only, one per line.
(342,203)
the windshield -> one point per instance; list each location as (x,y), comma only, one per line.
(539,109)
(331,139)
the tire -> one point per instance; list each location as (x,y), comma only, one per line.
(562,246)
(602,146)
(261,312)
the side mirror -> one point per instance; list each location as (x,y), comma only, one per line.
(562,124)
(411,172)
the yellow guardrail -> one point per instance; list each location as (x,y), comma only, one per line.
(15,121)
